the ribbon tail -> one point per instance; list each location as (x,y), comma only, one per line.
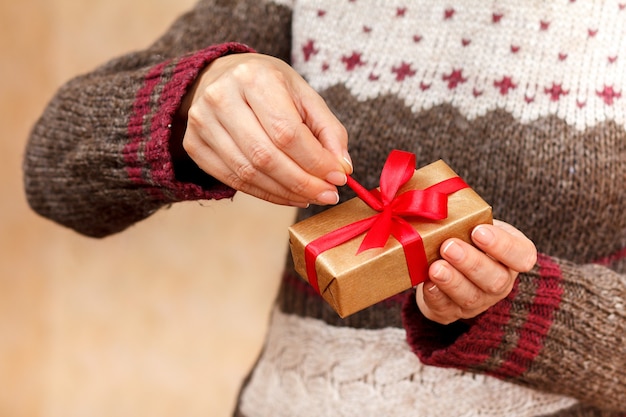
(414,251)
(379,232)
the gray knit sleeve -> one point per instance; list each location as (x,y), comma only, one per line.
(98,159)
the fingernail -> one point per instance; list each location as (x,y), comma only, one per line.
(440,273)
(346,157)
(483,235)
(337,178)
(433,289)
(454,251)
(328,197)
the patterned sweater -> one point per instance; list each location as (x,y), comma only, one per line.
(525,100)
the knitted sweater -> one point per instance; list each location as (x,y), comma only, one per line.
(525,100)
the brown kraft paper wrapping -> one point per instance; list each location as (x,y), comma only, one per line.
(351,282)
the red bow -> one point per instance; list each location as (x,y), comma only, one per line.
(430,203)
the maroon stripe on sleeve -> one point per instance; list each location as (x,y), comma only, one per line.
(136,124)
(460,345)
(538,322)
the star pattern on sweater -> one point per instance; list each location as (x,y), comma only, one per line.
(403,71)
(352,61)
(555,91)
(421,49)
(309,49)
(609,95)
(454,78)
(504,85)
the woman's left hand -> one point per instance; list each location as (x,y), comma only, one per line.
(469,280)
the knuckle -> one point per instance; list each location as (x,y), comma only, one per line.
(245,173)
(500,284)
(260,157)
(235,181)
(472,301)
(284,133)
(194,116)
(245,71)
(192,148)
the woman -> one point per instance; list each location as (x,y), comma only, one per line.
(523,101)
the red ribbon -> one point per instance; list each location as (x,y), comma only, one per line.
(430,203)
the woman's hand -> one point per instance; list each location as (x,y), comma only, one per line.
(254,124)
(467,281)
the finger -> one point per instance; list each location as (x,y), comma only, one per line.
(472,272)
(435,304)
(288,129)
(262,156)
(460,290)
(217,156)
(506,244)
(222,173)
(324,125)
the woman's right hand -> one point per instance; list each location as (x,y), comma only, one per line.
(256,125)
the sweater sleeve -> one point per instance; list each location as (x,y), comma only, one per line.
(99,158)
(561,330)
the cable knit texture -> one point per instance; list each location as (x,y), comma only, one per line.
(524,100)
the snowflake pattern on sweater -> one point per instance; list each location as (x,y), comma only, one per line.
(538,57)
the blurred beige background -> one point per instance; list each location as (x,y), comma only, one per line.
(164,319)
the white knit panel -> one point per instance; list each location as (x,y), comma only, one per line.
(311,369)
(531,58)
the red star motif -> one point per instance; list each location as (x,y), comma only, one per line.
(367,29)
(581,104)
(612,59)
(465,42)
(321,13)
(373,77)
(403,71)
(477,93)
(562,56)
(496,17)
(515,49)
(608,95)
(424,86)
(309,49)
(454,78)
(555,92)
(417,38)
(401,11)
(505,84)
(544,25)
(449,14)
(528,99)
(592,32)
(352,61)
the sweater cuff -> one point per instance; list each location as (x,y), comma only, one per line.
(148,159)
(501,342)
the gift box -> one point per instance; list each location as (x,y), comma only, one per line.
(381,243)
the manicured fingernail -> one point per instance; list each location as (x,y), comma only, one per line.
(328,197)
(483,235)
(454,251)
(440,273)
(346,157)
(433,289)
(337,178)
